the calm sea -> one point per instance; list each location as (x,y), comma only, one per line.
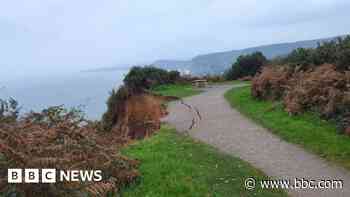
(87,89)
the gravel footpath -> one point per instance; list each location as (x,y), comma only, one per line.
(209,118)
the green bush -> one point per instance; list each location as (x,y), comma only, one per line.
(325,53)
(246,65)
(300,57)
(343,54)
(147,77)
(174,76)
(335,52)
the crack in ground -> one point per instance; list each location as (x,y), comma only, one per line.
(194,110)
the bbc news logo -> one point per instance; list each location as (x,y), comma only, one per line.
(52,175)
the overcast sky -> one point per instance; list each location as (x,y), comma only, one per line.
(46,36)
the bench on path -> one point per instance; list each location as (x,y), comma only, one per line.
(200,83)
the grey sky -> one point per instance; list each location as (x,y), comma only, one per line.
(46,36)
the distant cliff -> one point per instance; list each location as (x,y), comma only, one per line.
(215,63)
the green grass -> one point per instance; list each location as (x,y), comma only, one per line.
(314,134)
(173,165)
(176,90)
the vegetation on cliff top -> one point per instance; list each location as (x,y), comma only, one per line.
(140,78)
(316,80)
(246,65)
(60,139)
(335,52)
(177,90)
(138,81)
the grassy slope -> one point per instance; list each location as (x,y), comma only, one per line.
(176,90)
(175,165)
(308,130)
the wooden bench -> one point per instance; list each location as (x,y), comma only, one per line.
(201,83)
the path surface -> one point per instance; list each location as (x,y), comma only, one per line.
(229,131)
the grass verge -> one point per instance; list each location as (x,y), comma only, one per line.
(178,90)
(174,165)
(310,131)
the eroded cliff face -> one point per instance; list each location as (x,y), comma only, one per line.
(139,115)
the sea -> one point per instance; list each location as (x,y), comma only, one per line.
(86,90)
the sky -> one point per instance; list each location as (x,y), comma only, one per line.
(53,36)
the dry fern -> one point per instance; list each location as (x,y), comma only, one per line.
(63,140)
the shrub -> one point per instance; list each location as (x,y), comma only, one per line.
(61,139)
(55,115)
(319,81)
(272,82)
(246,65)
(140,78)
(174,76)
(9,110)
(343,54)
(335,52)
(322,89)
(325,53)
(300,57)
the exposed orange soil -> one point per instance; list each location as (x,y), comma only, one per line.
(140,115)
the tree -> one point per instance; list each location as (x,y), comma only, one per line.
(246,65)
